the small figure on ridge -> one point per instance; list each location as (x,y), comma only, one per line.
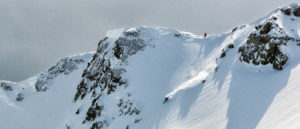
(166,99)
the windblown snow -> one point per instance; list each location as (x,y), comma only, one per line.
(159,78)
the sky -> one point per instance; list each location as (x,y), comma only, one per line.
(35,34)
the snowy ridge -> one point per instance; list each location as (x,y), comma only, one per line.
(65,66)
(159,78)
(10,91)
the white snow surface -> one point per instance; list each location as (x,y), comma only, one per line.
(204,91)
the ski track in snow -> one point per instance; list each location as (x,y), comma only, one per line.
(189,84)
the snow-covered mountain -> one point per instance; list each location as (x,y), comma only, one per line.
(158,78)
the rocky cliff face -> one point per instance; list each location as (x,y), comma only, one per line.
(103,77)
(266,44)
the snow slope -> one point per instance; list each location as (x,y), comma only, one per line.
(40,110)
(159,78)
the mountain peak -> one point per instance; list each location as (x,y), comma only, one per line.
(155,77)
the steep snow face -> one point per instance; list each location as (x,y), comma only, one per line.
(158,78)
(179,80)
(173,79)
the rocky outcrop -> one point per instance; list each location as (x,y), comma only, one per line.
(103,77)
(64,66)
(294,10)
(264,48)
(125,47)
(126,108)
(20,97)
(6,86)
(297,12)
(286,11)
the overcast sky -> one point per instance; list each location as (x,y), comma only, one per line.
(35,34)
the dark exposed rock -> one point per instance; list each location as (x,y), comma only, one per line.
(100,78)
(125,47)
(127,108)
(234,29)
(230,46)
(265,49)
(20,97)
(286,11)
(100,125)
(258,27)
(100,43)
(105,77)
(68,126)
(5,86)
(133,33)
(297,12)
(84,72)
(137,120)
(93,112)
(266,28)
(177,35)
(118,51)
(64,66)
(223,54)
(81,90)
(77,112)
